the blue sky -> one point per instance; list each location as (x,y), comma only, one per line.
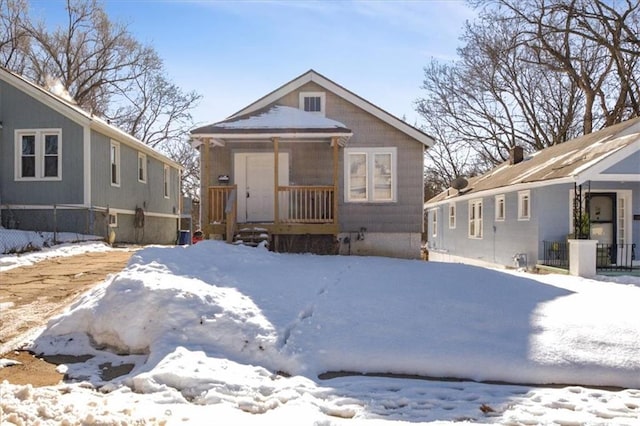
(234,52)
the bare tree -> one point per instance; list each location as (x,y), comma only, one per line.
(532,73)
(90,56)
(108,72)
(14,38)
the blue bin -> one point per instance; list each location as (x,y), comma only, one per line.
(185,238)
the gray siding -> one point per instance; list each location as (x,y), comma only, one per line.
(550,221)
(630,165)
(312,164)
(501,240)
(20,111)
(406,214)
(131,193)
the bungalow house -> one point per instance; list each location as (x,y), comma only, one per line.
(313,167)
(63,169)
(523,212)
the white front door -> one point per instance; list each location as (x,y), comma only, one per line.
(254,177)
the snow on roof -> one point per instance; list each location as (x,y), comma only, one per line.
(567,160)
(279,117)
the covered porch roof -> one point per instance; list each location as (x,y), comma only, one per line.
(277,121)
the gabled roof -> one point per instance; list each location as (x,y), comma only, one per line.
(313,76)
(78,115)
(577,160)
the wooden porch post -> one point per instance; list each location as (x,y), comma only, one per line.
(334,142)
(205,202)
(276,183)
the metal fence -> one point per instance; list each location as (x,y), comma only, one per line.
(615,257)
(556,254)
(609,257)
(28,230)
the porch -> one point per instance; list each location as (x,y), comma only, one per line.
(298,210)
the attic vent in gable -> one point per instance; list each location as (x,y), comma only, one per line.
(312,102)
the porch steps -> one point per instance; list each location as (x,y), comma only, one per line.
(251,236)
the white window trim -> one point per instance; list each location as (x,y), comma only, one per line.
(115,145)
(521,197)
(499,198)
(166,181)
(478,221)
(142,157)
(370,159)
(434,223)
(39,135)
(322,97)
(114,223)
(452,209)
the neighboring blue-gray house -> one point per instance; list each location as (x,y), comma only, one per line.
(63,169)
(522,212)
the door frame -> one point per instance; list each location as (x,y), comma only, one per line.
(240,177)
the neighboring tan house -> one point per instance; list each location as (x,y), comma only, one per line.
(313,167)
(522,212)
(64,170)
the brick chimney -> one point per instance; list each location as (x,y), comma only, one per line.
(516,155)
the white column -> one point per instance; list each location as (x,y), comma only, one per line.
(582,257)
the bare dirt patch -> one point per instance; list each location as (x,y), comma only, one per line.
(31,295)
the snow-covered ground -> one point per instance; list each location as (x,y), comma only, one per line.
(31,246)
(236,335)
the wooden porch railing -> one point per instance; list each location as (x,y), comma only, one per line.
(306,204)
(309,204)
(219,197)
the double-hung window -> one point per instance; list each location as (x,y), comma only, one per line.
(434,223)
(475,219)
(500,208)
(115,163)
(452,216)
(524,205)
(142,167)
(371,175)
(38,154)
(166,181)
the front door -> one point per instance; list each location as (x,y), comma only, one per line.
(602,215)
(254,174)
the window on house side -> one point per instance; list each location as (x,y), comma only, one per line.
(142,167)
(434,231)
(475,219)
(524,205)
(113,220)
(115,164)
(38,154)
(500,208)
(452,216)
(371,175)
(166,181)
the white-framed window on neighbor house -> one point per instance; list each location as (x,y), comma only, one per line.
(115,163)
(475,219)
(166,181)
(312,102)
(371,175)
(38,154)
(142,167)
(434,222)
(524,205)
(501,209)
(452,216)
(113,220)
